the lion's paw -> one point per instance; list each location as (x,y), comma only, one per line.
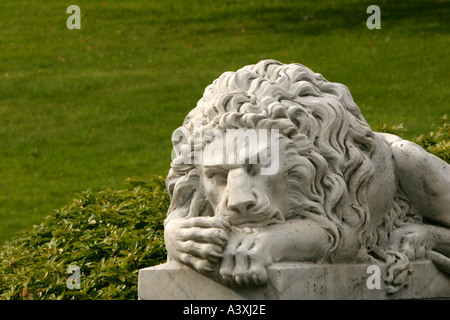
(245,259)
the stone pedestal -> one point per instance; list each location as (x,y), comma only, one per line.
(291,281)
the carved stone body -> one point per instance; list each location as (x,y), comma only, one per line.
(339,192)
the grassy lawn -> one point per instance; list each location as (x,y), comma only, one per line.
(89,108)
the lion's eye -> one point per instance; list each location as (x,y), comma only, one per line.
(211,175)
(252,169)
(217,177)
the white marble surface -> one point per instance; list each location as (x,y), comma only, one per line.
(291,281)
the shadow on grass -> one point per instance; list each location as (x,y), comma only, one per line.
(312,17)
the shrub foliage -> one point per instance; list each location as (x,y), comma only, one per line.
(436,142)
(110,235)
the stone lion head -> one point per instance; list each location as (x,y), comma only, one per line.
(325,143)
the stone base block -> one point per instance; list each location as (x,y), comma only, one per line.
(292,281)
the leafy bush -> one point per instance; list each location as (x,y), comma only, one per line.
(436,142)
(396,129)
(109,235)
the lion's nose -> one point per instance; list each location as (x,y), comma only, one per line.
(241,203)
(239,188)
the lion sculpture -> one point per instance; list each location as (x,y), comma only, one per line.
(341,192)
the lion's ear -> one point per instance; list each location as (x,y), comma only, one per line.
(184,190)
(189,199)
(200,205)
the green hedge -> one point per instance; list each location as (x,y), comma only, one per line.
(110,235)
(436,142)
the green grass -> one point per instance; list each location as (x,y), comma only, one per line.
(89,108)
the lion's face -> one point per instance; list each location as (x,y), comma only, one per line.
(237,184)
